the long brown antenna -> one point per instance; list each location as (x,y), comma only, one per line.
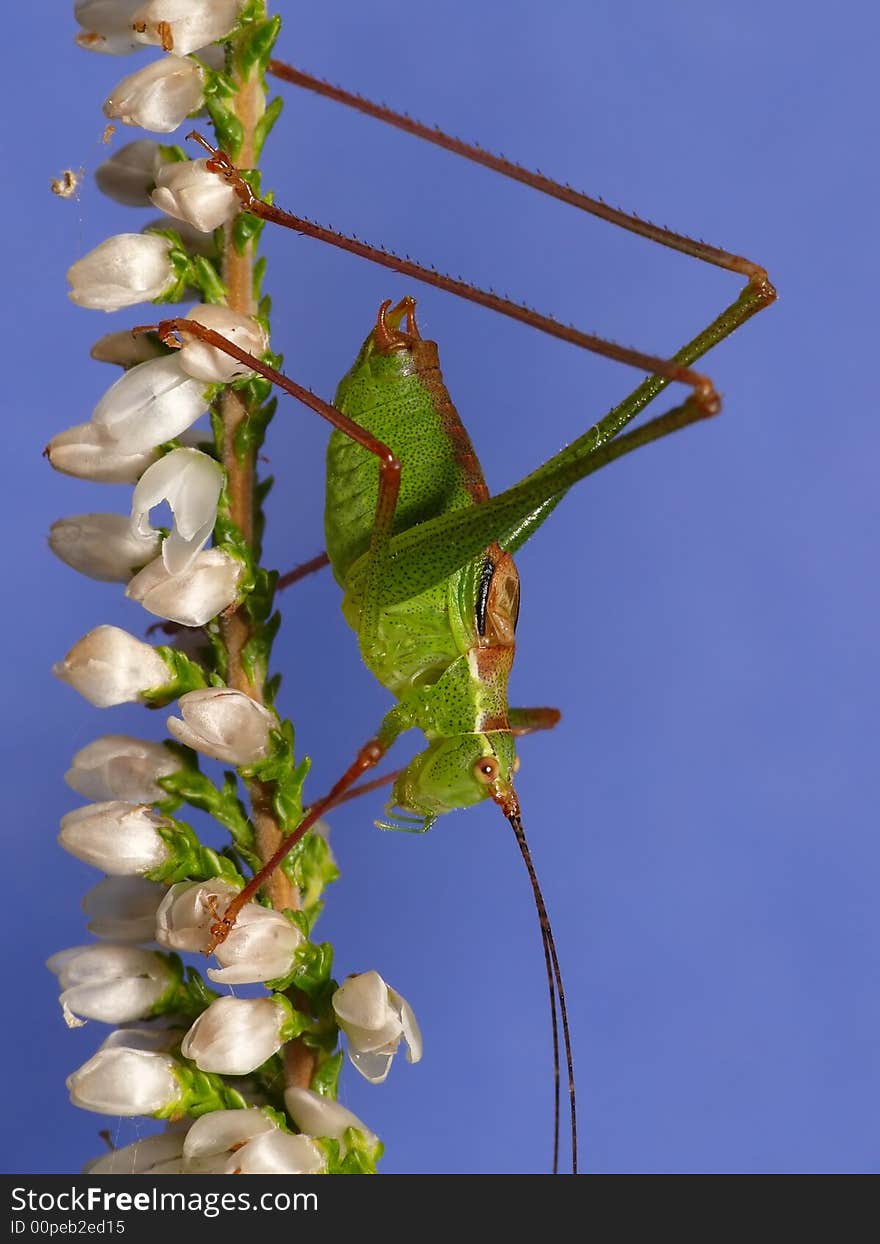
(556,990)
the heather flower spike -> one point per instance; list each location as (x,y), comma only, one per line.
(182,426)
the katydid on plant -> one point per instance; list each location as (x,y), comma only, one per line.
(425,556)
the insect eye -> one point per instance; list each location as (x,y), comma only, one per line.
(486,770)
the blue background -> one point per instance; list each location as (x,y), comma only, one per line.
(705,614)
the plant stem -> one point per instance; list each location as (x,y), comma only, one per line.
(249,104)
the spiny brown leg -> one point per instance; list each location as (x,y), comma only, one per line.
(369,755)
(366,787)
(302,571)
(704,390)
(756,275)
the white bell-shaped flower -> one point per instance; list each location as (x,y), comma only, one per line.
(184,26)
(158,1038)
(121,839)
(125,349)
(190,482)
(158,97)
(106,25)
(126,269)
(186,913)
(375,1018)
(260,947)
(246,1142)
(129,175)
(234,1036)
(109,666)
(279,1153)
(196,595)
(117,766)
(102,546)
(161,1154)
(125,1081)
(123,909)
(113,984)
(225,724)
(321,1116)
(82,451)
(187,191)
(150,403)
(206,362)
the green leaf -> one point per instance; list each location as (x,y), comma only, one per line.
(325,1079)
(254,46)
(264,126)
(207,280)
(185,675)
(246,229)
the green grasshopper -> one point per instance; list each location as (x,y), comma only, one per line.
(425,556)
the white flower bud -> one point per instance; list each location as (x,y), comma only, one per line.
(82,451)
(234,1036)
(125,269)
(125,1081)
(191,24)
(150,403)
(161,1154)
(113,984)
(121,839)
(102,546)
(156,1039)
(187,191)
(260,947)
(278,1153)
(106,25)
(206,362)
(190,482)
(374,1018)
(246,1142)
(117,766)
(126,350)
(207,587)
(158,97)
(129,175)
(186,913)
(109,666)
(123,909)
(321,1116)
(225,724)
